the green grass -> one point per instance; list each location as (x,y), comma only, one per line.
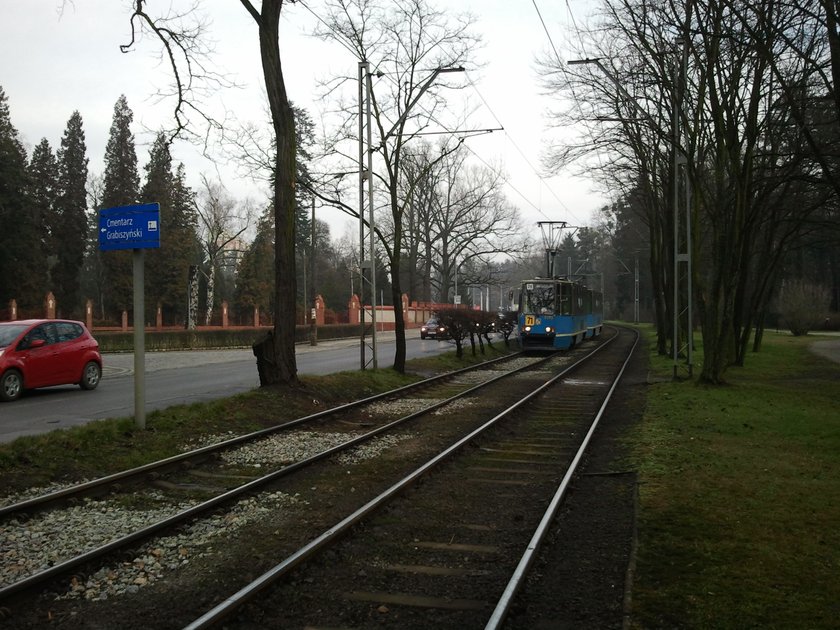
(739,524)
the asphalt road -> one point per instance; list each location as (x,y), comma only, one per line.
(181,377)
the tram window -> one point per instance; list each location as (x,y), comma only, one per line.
(539,298)
(565,301)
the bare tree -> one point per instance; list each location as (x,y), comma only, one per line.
(406,43)
(221,223)
(622,110)
(471,223)
(423,167)
(747,170)
(93,276)
(185,49)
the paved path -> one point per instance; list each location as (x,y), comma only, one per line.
(828,348)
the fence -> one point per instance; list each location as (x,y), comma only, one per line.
(415,314)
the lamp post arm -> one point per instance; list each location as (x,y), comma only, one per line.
(417,96)
(597,61)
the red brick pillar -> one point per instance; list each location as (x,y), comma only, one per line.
(49,306)
(319,310)
(353,309)
(159,316)
(256,317)
(224,314)
(125,321)
(89,314)
(13,309)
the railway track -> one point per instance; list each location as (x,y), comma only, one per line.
(183,487)
(188,459)
(455,551)
(526,462)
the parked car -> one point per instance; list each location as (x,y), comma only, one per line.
(434,329)
(45,352)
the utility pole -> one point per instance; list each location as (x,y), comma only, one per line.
(365,172)
(682,242)
(313,325)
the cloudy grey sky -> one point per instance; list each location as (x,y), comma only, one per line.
(60,56)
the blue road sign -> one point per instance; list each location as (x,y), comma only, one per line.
(129,227)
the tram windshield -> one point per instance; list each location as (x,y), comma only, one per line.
(538,298)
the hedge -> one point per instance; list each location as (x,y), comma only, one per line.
(206,339)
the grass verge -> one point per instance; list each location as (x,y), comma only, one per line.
(739,525)
(108,446)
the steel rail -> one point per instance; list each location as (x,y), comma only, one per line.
(227,607)
(521,571)
(249,487)
(82,488)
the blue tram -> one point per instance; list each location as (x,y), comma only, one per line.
(558,313)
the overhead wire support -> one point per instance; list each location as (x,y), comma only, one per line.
(365,174)
(552,235)
(521,153)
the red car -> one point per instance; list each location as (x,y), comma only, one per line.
(45,352)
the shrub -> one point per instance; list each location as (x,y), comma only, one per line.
(802,305)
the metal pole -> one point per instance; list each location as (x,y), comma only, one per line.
(636,293)
(688,247)
(139,342)
(363,69)
(456,281)
(313,324)
(369,83)
(675,202)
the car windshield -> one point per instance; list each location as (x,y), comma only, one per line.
(8,333)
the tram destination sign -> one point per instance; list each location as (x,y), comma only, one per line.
(130,227)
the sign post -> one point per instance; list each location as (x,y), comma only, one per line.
(136,228)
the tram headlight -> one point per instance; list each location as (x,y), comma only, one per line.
(548,329)
(527,329)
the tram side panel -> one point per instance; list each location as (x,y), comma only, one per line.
(594,313)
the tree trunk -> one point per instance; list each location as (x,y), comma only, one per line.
(211,289)
(278,353)
(399,319)
(192,305)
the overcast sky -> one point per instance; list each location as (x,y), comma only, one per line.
(57,61)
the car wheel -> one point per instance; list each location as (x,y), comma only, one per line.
(90,376)
(422,336)
(11,385)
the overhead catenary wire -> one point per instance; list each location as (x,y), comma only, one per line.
(562,66)
(543,181)
(522,153)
